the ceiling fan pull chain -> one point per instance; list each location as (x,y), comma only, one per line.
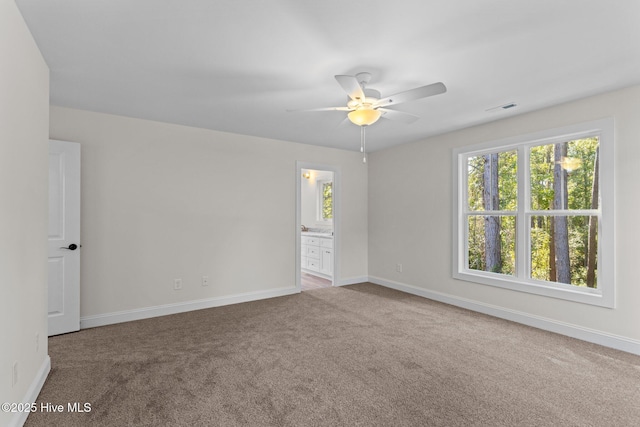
(363,145)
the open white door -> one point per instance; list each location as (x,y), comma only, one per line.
(64,237)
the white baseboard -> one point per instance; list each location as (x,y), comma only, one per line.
(181,307)
(352,281)
(19,418)
(590,335)
(585,334)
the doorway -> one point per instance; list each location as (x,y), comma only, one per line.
(317,225)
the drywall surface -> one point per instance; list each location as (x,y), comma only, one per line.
(162,201)
(411,217)
(24,117)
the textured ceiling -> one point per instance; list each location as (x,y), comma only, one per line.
(239,65)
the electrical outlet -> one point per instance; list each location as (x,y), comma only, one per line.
(14,374)
(399,268)
(177,284)
(205,280)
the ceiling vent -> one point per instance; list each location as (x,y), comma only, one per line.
(503,107)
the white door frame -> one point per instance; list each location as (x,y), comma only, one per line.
(337,191)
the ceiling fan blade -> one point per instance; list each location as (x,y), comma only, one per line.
(412,94)
(344,123)
(351,86)
(398,116)
(321,109)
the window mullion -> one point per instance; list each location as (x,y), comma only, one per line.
(523,246)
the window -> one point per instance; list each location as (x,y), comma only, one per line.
(535,213)
(325,201)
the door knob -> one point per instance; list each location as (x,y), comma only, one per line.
(71,247)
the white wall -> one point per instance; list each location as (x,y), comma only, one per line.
(309,199)
(162,201)
(410,217)
(24,115)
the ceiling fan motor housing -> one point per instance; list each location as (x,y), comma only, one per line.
(363,78)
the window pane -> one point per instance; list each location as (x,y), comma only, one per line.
(492,243)
(492,181)
(564,175)
(564,249)
(327,200)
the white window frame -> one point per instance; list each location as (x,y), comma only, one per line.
(320,199)
(604,295)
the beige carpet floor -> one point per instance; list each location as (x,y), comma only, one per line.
(360,355)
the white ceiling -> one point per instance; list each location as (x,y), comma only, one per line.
(238,65)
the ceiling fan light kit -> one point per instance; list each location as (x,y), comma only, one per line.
(365,106)
(364,115)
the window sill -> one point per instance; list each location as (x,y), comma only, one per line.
(560,291)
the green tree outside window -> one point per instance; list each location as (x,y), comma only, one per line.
(327,201)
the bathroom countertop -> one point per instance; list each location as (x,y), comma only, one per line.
(317,234)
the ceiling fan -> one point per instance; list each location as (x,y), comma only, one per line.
(365,105)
